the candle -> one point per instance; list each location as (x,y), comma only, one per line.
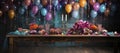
(62,17)
(66,17)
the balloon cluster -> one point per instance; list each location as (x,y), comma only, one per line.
(46,6)
(100,6)
(82,27)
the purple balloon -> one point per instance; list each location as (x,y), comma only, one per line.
(59,7)
(49,7)
(63,2)
(35,9)
(48,16)
(96,6)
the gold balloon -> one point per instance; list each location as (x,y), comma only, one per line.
(82,3)
(11,14)
(100,1)
(76,6)
(107,12)
(44,2)
(68,8)
(1,13)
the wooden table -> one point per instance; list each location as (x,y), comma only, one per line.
(53,38)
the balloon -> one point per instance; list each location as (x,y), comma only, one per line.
(107,12)
(100,1)
(75,14)
(92,2)
(63,2)
(102,8)
(76,0)
(68,8)
(27,2)
(43,12)
(76,6)
(44,2)
(49,7)
(96,6)
(36,2)
(35,9)
(82,3)
(40,6)
(31,14)
(11,14)
(93,13)
(13,7)
(21,11)
(113,7)
(1,13)
(55,2)
(59,6)
(72,2)
(5,7)
(48,16)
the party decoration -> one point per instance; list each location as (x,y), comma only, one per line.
(40,6)
(93,27)
(5,7)
(93,14)
(11,14)
(55,2)
(59,6)
(107,12)
(44,2)
(82,3)
(1,13)
(113,7)
(43,12)
(75,14)
(27,2)
(31,14)
(76,6)
(68,8)
(35,9)
(102,8)
(78,27)
(100,1)
(92,2)
(36,2)
(21,11)
(96,6)
(71,2)
(64,2)
(33,26)
(49,7)
(48,16)
(13,7)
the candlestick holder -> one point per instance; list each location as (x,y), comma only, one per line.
(64,24)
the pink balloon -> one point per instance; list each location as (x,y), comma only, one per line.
(35,9)
(49,16)
(96,6)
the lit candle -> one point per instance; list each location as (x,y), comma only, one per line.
(66,17)
(62,17)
